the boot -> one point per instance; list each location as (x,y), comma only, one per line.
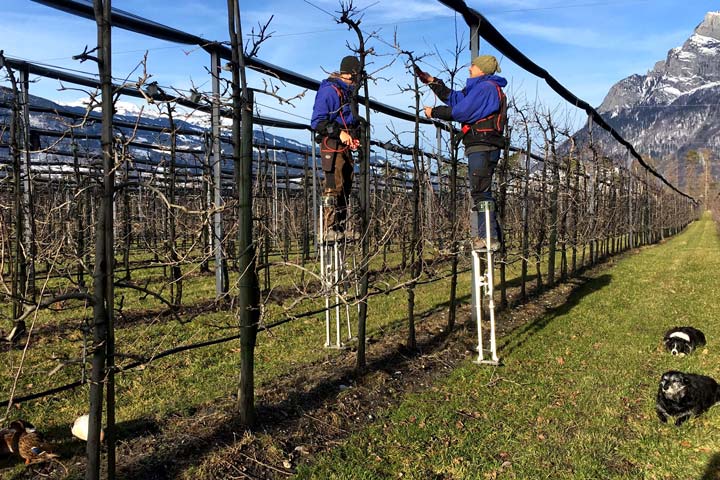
(328,234)
(332,236)
(479,244)
(478,234)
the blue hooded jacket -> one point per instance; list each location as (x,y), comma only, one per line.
(329,110)
(477,100)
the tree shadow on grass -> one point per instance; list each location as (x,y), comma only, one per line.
(583,286)
(292,403)
(311,394)
(712,470)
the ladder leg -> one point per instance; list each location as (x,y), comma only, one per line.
(336,273)
(324,284)
(345,279)
(482,286)
(477,300)
(491,308)
(489,285)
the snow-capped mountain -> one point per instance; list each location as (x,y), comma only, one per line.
(672,109)
(693,66)
(144,130)
(148,144)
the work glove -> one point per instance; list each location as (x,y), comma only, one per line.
(424,77)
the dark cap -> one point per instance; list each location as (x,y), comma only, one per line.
(350,64)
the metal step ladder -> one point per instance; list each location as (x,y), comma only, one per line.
(482,286)
(334,280)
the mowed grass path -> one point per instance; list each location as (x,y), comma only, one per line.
(575,398)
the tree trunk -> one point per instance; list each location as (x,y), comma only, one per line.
(103,291)
(249,294)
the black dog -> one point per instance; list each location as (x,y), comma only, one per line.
(683,340)
(683,395)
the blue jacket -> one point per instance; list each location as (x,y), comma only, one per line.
(330,115)
(477,100)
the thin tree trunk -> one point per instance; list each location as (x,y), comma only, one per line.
(525,218)
(127,220)
(80,207)
(554,200)
(502,207)
(103,358)
(19,277)
(454,244)
(249,294)
(175,271)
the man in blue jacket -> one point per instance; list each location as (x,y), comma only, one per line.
(336,131)
(481,108)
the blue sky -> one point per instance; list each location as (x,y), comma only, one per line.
(588,45)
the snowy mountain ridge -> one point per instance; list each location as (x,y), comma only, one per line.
(686,68)
(673,108)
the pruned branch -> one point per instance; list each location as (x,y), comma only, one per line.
(251,50)
(85,55)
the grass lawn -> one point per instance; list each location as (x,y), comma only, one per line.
(575,398)
(179,386)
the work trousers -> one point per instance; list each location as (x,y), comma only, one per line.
(338,167)
(481,166)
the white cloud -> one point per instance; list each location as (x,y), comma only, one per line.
(580,37)
(587,38)
(390,11)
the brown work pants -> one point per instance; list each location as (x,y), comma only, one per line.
(337,166)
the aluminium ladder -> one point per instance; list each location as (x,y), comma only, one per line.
(482,286)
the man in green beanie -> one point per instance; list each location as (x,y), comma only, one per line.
(481,108)
(337,132)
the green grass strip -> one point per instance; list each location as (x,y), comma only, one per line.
(575,399)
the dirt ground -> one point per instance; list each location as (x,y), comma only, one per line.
(312,409)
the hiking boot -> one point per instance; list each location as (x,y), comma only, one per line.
(332,236)
(329,214)
(478,244)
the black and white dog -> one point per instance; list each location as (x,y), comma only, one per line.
(683,340)
(683,395)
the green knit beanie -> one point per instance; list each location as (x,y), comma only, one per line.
(487,63)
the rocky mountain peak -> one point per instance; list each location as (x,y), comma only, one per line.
(694,65)
(671,110)
(710,26)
